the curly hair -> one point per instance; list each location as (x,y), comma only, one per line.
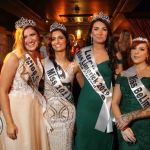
(109,44)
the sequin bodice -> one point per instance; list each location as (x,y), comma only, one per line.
(20,82)
(50,90)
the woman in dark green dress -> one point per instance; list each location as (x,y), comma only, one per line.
(97,60)
(131,100)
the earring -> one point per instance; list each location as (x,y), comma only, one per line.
(147,59)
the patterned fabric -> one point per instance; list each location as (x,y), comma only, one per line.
(27,115)
(60,113)
(140,127)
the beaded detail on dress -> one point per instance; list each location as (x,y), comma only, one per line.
(60,114)
(50,90)
(20,81)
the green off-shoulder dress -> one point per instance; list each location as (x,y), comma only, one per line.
(88,108)
(141,128)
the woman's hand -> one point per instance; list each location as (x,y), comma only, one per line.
(123,121)
(12,131)
(128,135)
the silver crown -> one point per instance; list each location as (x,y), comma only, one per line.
(22,23)
(57,25)
(140,39)
(101,16)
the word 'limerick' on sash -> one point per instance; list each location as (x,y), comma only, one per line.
(141,93)
(88,66)
(33,70)
(54,79)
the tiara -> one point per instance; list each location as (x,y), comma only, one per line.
(101,16)
(140,39)
(22,23)
(57,25)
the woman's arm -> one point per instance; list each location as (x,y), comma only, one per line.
(115,106)
(127,133)
(119,68)
(79,75)
(125,119)
(7,75)
(116,101)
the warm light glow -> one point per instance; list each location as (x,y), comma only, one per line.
(46,21)
(78,19)
(78,33)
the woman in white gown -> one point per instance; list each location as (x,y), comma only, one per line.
(20,100)
(60,71)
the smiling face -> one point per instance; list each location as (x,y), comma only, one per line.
(58,41)
(139,53)
(99,32)
(31,39)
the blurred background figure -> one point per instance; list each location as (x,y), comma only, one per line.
(73,43)
(123,46)
(75,46)
(72,39)
(45,44)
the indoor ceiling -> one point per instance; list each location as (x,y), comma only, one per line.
(73,13)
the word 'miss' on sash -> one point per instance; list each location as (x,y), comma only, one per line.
(141,93)
(89,68)
(54,79)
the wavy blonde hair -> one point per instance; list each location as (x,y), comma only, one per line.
(20,50)
(19,45)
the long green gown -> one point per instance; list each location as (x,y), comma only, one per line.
(141,128)
(88,108)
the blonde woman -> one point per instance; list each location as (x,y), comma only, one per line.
(20,100)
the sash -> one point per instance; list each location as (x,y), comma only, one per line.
(34,74)
(33,70)
(141,93)
(88,66)
(54,79)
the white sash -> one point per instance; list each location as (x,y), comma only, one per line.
(89,68)
(33,70)
(35,77)
(141,93)
(54,79)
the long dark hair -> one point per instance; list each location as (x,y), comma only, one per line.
(68,47)
(109,44)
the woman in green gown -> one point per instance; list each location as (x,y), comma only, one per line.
(97,60)
(131,109)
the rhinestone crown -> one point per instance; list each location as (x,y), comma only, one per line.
(101,16)
(57,25)
(22,23)
(140,39)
